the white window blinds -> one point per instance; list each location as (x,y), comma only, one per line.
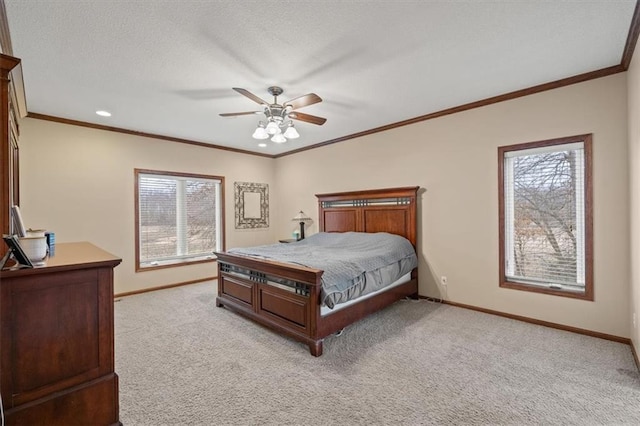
(544,210)
(179,218)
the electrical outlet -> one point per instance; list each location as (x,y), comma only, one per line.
(634,320)
(443,280)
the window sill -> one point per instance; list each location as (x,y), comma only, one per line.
(546,290)
(173,264)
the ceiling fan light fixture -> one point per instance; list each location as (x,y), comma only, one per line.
(278,116)
(278,138)
(291,132)
(260,132)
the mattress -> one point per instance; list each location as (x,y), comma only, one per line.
(354,263)
(325,310)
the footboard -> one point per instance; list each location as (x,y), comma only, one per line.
(281,296)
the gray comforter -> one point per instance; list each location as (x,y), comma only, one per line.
(354,263)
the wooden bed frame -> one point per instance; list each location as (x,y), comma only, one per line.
(286,297)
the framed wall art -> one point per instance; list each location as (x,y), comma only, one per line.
(252,205)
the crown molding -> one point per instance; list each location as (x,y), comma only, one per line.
(477,104)
(632,38)
(142,134)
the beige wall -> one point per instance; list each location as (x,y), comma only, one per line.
(454,158)
(634,192)
(79,183)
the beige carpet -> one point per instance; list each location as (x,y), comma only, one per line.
(182,361)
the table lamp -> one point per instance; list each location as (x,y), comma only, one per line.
(302,218)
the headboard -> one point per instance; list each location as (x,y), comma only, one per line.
(391,210)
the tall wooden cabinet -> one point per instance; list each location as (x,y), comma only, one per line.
(57,340)
(9,191)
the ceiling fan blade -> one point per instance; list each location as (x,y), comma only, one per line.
(233,114)
(303,101)
(313,119)
(251,96)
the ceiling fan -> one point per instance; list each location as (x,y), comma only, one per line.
(279,126)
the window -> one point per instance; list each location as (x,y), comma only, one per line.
(546,217)
(178,218)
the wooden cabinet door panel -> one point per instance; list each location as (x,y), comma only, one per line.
(96,400)
(60,334)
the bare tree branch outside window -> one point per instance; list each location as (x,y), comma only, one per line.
(545,216)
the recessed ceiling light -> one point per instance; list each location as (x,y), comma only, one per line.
(103,113)
(262,145)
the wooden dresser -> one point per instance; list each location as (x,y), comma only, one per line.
(57,340)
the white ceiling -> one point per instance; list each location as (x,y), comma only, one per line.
(167,67)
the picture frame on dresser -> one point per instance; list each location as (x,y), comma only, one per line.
(15,251)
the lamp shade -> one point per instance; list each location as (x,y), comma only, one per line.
(301,217)
(260,132)
(273,128)
(278,138)
(291,132)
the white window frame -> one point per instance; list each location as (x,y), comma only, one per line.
(182,257)
(583,287)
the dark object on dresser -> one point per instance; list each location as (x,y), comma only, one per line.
(57,353)
(250,287)
(15,251)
